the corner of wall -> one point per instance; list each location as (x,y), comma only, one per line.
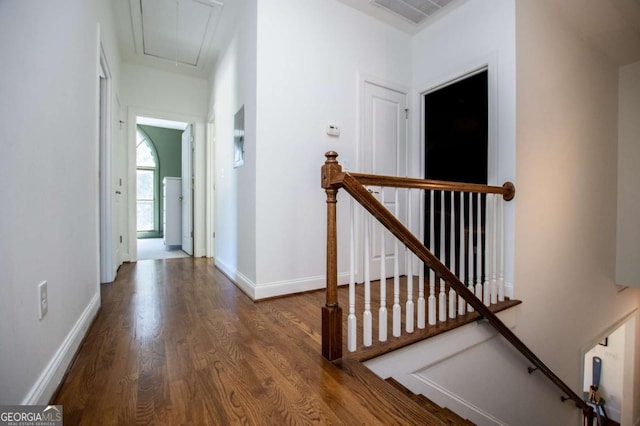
(238,278)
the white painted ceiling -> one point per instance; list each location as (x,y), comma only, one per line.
(428,9)
(182,36)
(415,11)
(185,36)
(613,26)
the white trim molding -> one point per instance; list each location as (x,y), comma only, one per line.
(237,278)
(46,384)
(275,288)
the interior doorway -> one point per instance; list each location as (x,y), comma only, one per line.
(162,165)
(456,118)
(456,148)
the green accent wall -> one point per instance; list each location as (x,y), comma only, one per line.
(168,145)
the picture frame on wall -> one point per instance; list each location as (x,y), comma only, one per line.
(238,138)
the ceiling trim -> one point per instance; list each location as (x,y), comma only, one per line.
(199,61)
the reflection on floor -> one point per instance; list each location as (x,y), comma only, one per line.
(154,248)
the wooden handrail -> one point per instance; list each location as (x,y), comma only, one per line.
(508,190)
(334,178)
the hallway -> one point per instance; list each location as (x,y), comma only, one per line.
(175,342)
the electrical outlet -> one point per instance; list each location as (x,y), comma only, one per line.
(43,299)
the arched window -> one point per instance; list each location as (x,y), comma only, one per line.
(146,177)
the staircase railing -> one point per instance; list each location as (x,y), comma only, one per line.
(334,178)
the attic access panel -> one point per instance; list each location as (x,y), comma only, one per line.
(177,31)
(415,11)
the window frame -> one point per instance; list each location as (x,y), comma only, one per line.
(142,137)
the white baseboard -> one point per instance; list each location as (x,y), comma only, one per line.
(276,288)
(281,288)
(44,387)
(239,279)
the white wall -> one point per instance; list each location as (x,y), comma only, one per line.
(566,168)
(163,91)
(233,85)
(628,240)
(49,175)
(161,94)
(566,177)
(310,55)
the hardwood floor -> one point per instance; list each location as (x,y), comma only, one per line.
(175,342)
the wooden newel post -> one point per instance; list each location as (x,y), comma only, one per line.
(331,311)
(588,415)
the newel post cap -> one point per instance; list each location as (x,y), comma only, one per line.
(331,157)
(331,170)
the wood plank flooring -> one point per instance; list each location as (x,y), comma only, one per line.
(175,342)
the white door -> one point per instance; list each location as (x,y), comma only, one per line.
(187,190)
(383,152)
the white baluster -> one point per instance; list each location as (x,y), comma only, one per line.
(432,274)
(442,297)
(486,289)
(479,250)
(461,303)
(494,252)
(409,316)
(382,314)
(501,247)
(367,318)
(421,304)
(397,311)
(470,251)
(452,262)
(352,333)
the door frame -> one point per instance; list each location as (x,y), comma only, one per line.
(199,165)
(186,173)
(364,79)
(487,64)
(210,195)
(106,253)
(501,142)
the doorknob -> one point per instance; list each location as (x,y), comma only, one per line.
(118,192)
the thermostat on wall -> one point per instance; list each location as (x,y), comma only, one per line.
(333,130)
